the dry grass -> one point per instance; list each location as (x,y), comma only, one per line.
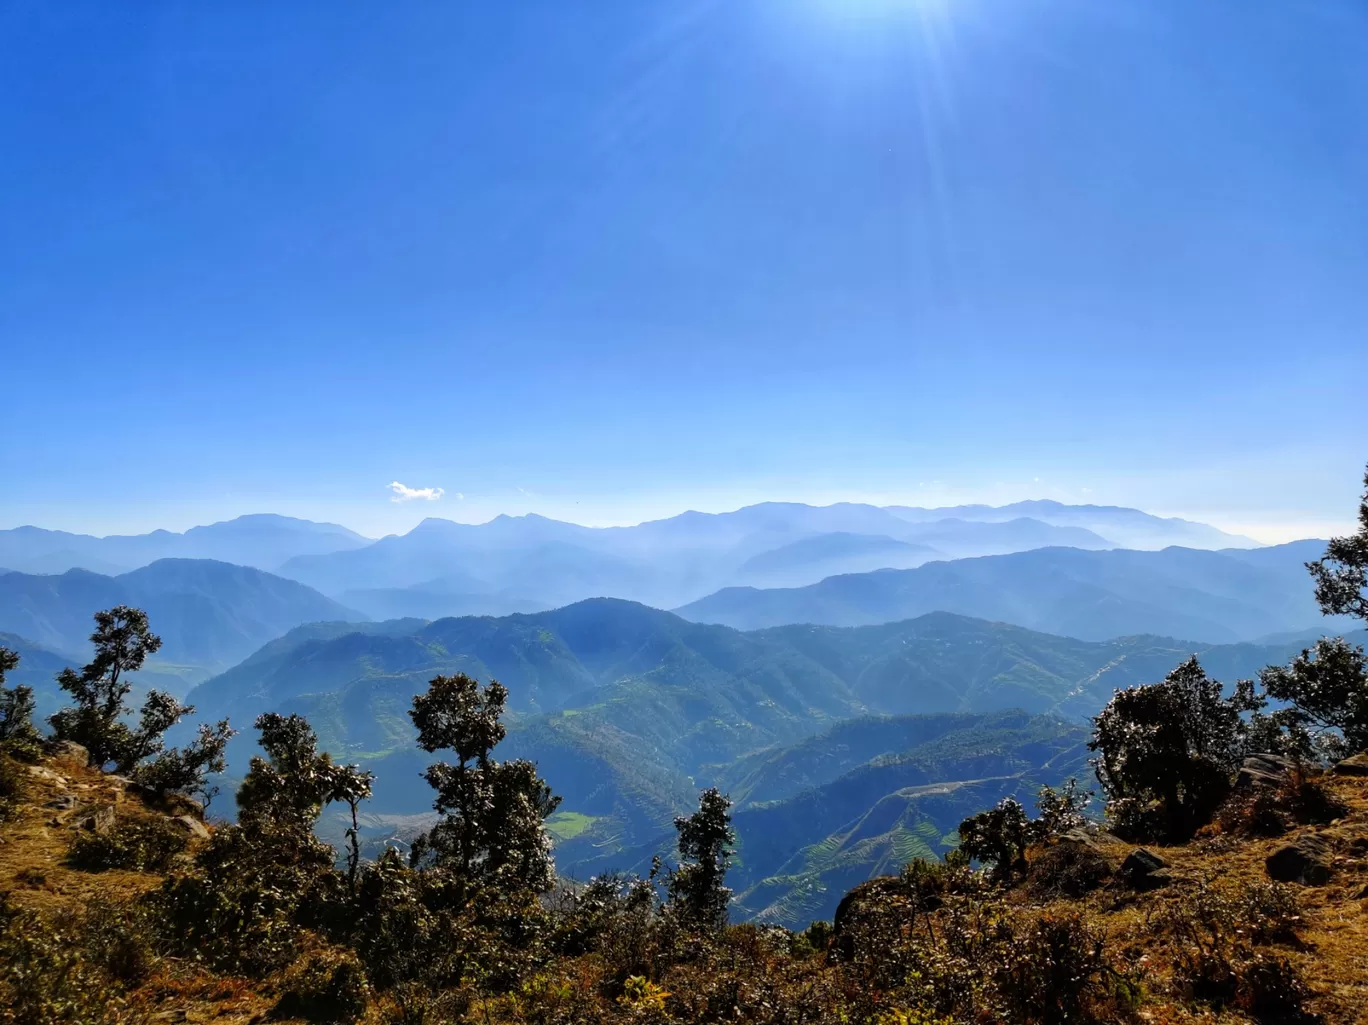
(1331,953)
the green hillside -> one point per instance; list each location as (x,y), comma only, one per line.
(629,710)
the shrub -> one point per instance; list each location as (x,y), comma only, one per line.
(325,986)
(1217,961)
(815,939)
(12,784)
(1300,799)
(138,845)
(998,838)
(241,907)
(1051,971)
(116,937)
(1061,811)
(45,980)
(1066,870)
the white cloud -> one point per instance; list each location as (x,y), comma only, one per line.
(404,493)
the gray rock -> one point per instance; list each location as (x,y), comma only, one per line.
(44,773)
(1308,861)
(67,750)
(1263,771)
(100,820)
(192,825)
(1357,765)
(1143,870)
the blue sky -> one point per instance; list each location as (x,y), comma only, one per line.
(608,261)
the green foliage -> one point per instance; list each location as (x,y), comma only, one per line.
(998,838)
(325,986)
(18,736)
(492,832)
(45,979)
(256,885)
(1167,752)
(1342,575)
(143,844)
(242,907)
(1328,688)
(1061,810)
(706,841)
(122,641)
(186,770)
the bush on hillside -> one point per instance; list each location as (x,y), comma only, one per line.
(325,986)
(144,844)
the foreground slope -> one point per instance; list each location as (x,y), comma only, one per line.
(81,936)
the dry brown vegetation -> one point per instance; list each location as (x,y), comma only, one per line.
(1068,940)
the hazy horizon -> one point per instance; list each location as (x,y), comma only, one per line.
(443,508)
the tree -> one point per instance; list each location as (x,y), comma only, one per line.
(352,785)
(186,770)
(1327,687)
(259,882)
(1342,575)
(160,711)
(17,732)
(289,787)
(491,832)
(706,842)
(122,643)
(998,838)
(1060,810)
(1167,752)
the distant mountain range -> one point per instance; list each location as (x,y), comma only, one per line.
(263,541)
(527,563)
(1225,596)
(531,561)
(210,615)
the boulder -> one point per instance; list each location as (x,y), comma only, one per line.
(1143,870)
(44,773)
(1263,771)
(99,820)
(193,826)
(1357,765)
(1308,861)
(67,751)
